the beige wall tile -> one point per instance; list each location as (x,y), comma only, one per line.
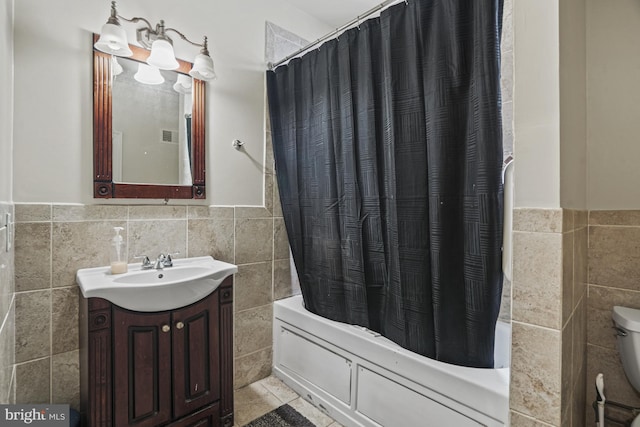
(79,245)
(64,319)
(269,162)
(32,256)
(580,264)
(7,280)
(31,212)
(283,286)
(252,286)
(254,240)
(567,275)
(32,381)
(33,327)
(505,302)
(579,347)
(152,238)
(568,220)
(614,256)
(581,219)
(280,239)
(65,379)
(277,206)
(253,330)
(206,212)
(68,213)
(614,218)
(535,372)
(252,367)
(252,212)
(506,78)
(7,356)
(566,372)
(537,278)
(580,399)
(213,237)
(157,212)
(537,220)
(268,192)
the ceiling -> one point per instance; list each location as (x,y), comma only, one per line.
(334,13)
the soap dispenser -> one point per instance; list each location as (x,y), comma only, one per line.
(118,253)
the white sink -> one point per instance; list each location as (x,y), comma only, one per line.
(188,281)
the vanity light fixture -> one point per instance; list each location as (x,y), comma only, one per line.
(183,84)
(113,40)
(148,74)
(116,68)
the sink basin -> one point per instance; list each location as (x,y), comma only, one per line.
(188,281)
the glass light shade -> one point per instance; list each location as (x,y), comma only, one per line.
(183,84)
(113,40)
(149,75)
(203,68)
(116,68)
(162,55)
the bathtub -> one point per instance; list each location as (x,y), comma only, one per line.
(360,378)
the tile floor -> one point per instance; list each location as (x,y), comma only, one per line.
(263,396)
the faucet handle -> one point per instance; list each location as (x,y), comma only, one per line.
(168,261)
(146,262)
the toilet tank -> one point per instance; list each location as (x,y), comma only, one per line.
(627,322)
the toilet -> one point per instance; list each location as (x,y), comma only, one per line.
(627,321)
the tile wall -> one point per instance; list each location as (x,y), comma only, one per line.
(54,241)
(7,311)
(548,363)
(614,279)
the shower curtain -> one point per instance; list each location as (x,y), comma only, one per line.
(388,150)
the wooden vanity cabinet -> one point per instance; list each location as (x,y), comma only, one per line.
(171,368)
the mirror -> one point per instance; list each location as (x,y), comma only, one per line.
(148,138)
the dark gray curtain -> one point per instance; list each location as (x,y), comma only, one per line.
(388,150)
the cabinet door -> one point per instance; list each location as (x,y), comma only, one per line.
(196,356)
(141,368)
(208,417)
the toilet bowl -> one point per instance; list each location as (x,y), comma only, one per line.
(627,322)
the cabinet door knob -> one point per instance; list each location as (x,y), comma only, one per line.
(166,328)
(179,325)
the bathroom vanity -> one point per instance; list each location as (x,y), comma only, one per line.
(165,368)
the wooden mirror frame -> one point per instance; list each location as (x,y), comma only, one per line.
(103,185)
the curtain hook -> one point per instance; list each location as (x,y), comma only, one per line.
(406,2)
(358,22)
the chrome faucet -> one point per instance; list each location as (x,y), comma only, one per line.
(146,262)
(161,262)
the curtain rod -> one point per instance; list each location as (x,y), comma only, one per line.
(334,32)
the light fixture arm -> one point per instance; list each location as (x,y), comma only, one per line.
(137,19)
(183,37)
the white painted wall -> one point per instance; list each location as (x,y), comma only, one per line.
(573,104)
(613,109)
(53,90)
(536,103)
(6,100)
(550,104)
